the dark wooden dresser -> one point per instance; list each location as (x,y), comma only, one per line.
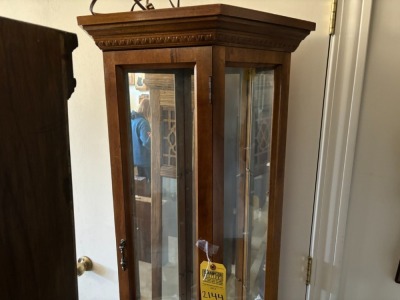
(37,241)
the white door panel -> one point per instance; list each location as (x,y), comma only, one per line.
(339,135)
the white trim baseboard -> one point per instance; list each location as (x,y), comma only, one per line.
(344,86)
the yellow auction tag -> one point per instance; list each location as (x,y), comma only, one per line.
(212,281)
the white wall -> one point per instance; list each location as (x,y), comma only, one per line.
(372,246)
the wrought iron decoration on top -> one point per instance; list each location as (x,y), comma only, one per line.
(137,3)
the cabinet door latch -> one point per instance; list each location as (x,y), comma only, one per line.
(121,247)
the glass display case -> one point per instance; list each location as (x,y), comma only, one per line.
(197,109)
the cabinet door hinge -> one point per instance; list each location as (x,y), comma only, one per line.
(332,23)
(309,268)
(210,89)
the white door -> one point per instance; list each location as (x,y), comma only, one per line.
(344,96)
(371,250)
(357,242)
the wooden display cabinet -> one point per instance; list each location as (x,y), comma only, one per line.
(215,81)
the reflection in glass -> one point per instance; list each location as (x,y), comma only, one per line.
(248,122)
(158,102)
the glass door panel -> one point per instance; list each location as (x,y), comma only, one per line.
(161,129)
(249,97)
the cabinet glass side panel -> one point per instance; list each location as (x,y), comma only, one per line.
(248,121)
(161,130)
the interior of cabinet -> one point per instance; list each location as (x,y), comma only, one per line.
(157,195)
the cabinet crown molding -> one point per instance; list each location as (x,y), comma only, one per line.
(204,25)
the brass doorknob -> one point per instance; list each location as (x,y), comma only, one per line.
(84,264)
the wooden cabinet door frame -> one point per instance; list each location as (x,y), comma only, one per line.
(115,63)
(280,62)
(208,151)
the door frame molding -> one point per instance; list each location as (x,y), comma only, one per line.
(342,104)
